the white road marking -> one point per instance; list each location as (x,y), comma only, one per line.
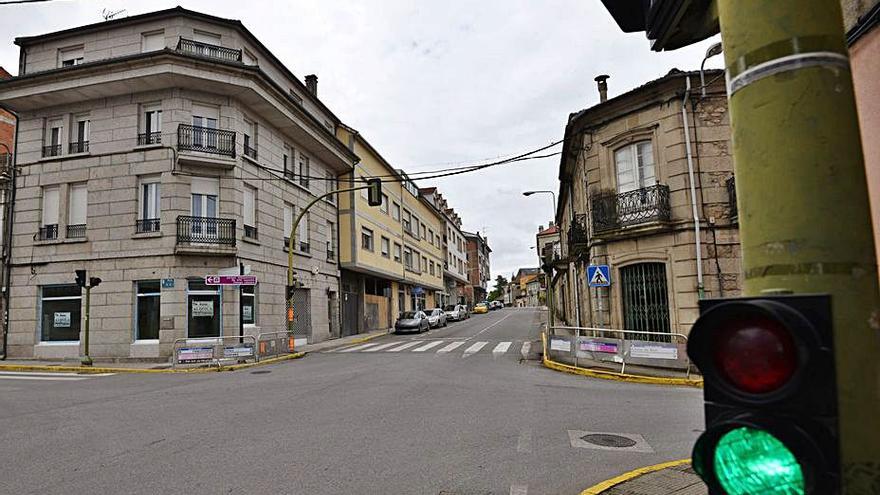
(404,346)
(524,443)
(358,348)
(501,348)
(474,348)
(490,326)
(61,378)
(451,346)
(427,346)
(61,374)
(525,349)
(380,347)
(519,490)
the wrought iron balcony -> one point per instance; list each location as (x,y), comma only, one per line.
(578,234)
(146,138)
(146,225)
(731,193)
(77,231)
(615,211)
(48,232)
(78,147)
(250,232)
(206,140)
(52,150)
(205,230)
(208,50)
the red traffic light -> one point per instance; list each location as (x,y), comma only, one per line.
(755,353)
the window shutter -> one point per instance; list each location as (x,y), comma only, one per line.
(50,206)
(249,194)
(78,204)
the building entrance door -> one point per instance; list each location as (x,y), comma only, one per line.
(645,300)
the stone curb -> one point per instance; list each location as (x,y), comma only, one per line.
(598,489)
(91,370)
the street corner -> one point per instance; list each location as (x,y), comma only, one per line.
(668,478)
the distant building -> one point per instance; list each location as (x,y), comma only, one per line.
(478,264)
(526,287)
(455,264)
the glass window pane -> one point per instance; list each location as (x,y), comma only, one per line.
(62,291)
(60,319)
(147,316)
(148,287)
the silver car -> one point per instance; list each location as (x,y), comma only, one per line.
(412,321)
(436,317)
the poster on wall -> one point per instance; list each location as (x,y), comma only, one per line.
(599,346)
(248,312)
(62,320)
(202,308)
(653,350)
(560,345)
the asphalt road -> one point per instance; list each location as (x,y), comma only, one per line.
(405,418)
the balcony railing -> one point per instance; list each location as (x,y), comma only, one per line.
(206,140)
(146,138)
(146,225)
(578,233)
(250,232)
(205,230)
(48,232)
(208,50)
(52,150)
(731,194)
(614,211)
(78,147)
(77,231)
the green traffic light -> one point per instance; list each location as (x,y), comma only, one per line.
(749,461)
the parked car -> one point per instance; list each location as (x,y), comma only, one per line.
(436,318)
(456,312)
(481,308)
(496,305)
(412,321)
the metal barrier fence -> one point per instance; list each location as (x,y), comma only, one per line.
(213,350)
(623,347)
(274,344)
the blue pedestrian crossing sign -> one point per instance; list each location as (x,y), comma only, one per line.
(599,275)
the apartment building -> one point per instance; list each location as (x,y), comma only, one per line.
(478,253)
(455,267)
(155,150)
(391,255)
(647,187)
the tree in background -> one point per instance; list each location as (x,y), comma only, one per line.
(498,292)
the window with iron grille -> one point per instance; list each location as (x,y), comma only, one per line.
(645,300)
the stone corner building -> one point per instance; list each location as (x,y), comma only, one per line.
(155,150)
(625,201)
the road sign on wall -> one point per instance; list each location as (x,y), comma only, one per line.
(599,275)
(230,280)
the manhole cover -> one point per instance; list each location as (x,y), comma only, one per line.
(605,440)
(260,372)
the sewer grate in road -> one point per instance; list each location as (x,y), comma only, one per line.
(260,372)
(606,440)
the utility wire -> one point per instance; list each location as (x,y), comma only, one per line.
(10,2)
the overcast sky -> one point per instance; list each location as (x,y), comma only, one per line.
(434,83)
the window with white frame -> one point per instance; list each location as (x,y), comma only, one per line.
(407,221)
(60,313)
(303,170)
(330,186)
(424,264)
(303,233)
(331,243)
(364,192)
(384,206)
(54,135)
(151,124)
(77,198)
(287,161)
(148,310)
(408,258)
(79,140)
(386,247)
(424,231)
(397,251)
(68,57)
(153,41)
(395,211)
(288,222)
(635,166)
(250,139)
(149,212)
(366,239)
(249,215)
(49,228)
(204,120)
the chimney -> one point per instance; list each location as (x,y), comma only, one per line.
(603,87)
(312,84)
(540,228)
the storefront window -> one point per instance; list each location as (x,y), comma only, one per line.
(60,309)
(203,310)
(148,310)
(249,304)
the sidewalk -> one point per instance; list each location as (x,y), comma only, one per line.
(671,480)
(154,366)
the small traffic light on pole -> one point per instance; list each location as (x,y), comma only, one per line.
(374,192)
(80,278)
(770,396)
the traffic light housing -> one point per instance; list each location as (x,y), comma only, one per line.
(80,278)
(374,192)
(94,282)
(669,24)
(770,396)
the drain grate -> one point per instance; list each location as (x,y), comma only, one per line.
(260,372)
(606,440)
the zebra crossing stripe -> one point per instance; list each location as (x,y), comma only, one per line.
(427,346)
(451,346)
(501,348)
(380,347)
(404,346)
(475,348)
(525,348)
(358,348)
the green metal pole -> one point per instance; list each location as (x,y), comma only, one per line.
(86,359)
(290,240)
(805,223)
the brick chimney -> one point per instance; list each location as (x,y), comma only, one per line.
(603,87)
(312,84)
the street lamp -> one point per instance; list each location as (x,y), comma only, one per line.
(529,193)
(713,50)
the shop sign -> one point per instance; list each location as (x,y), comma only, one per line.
(62,320)
(202,308)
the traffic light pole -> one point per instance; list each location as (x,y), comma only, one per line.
(804,214)
(291,279)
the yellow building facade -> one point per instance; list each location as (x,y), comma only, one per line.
(391,255)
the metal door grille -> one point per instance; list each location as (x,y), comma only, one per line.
(302,309)
(645,301)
